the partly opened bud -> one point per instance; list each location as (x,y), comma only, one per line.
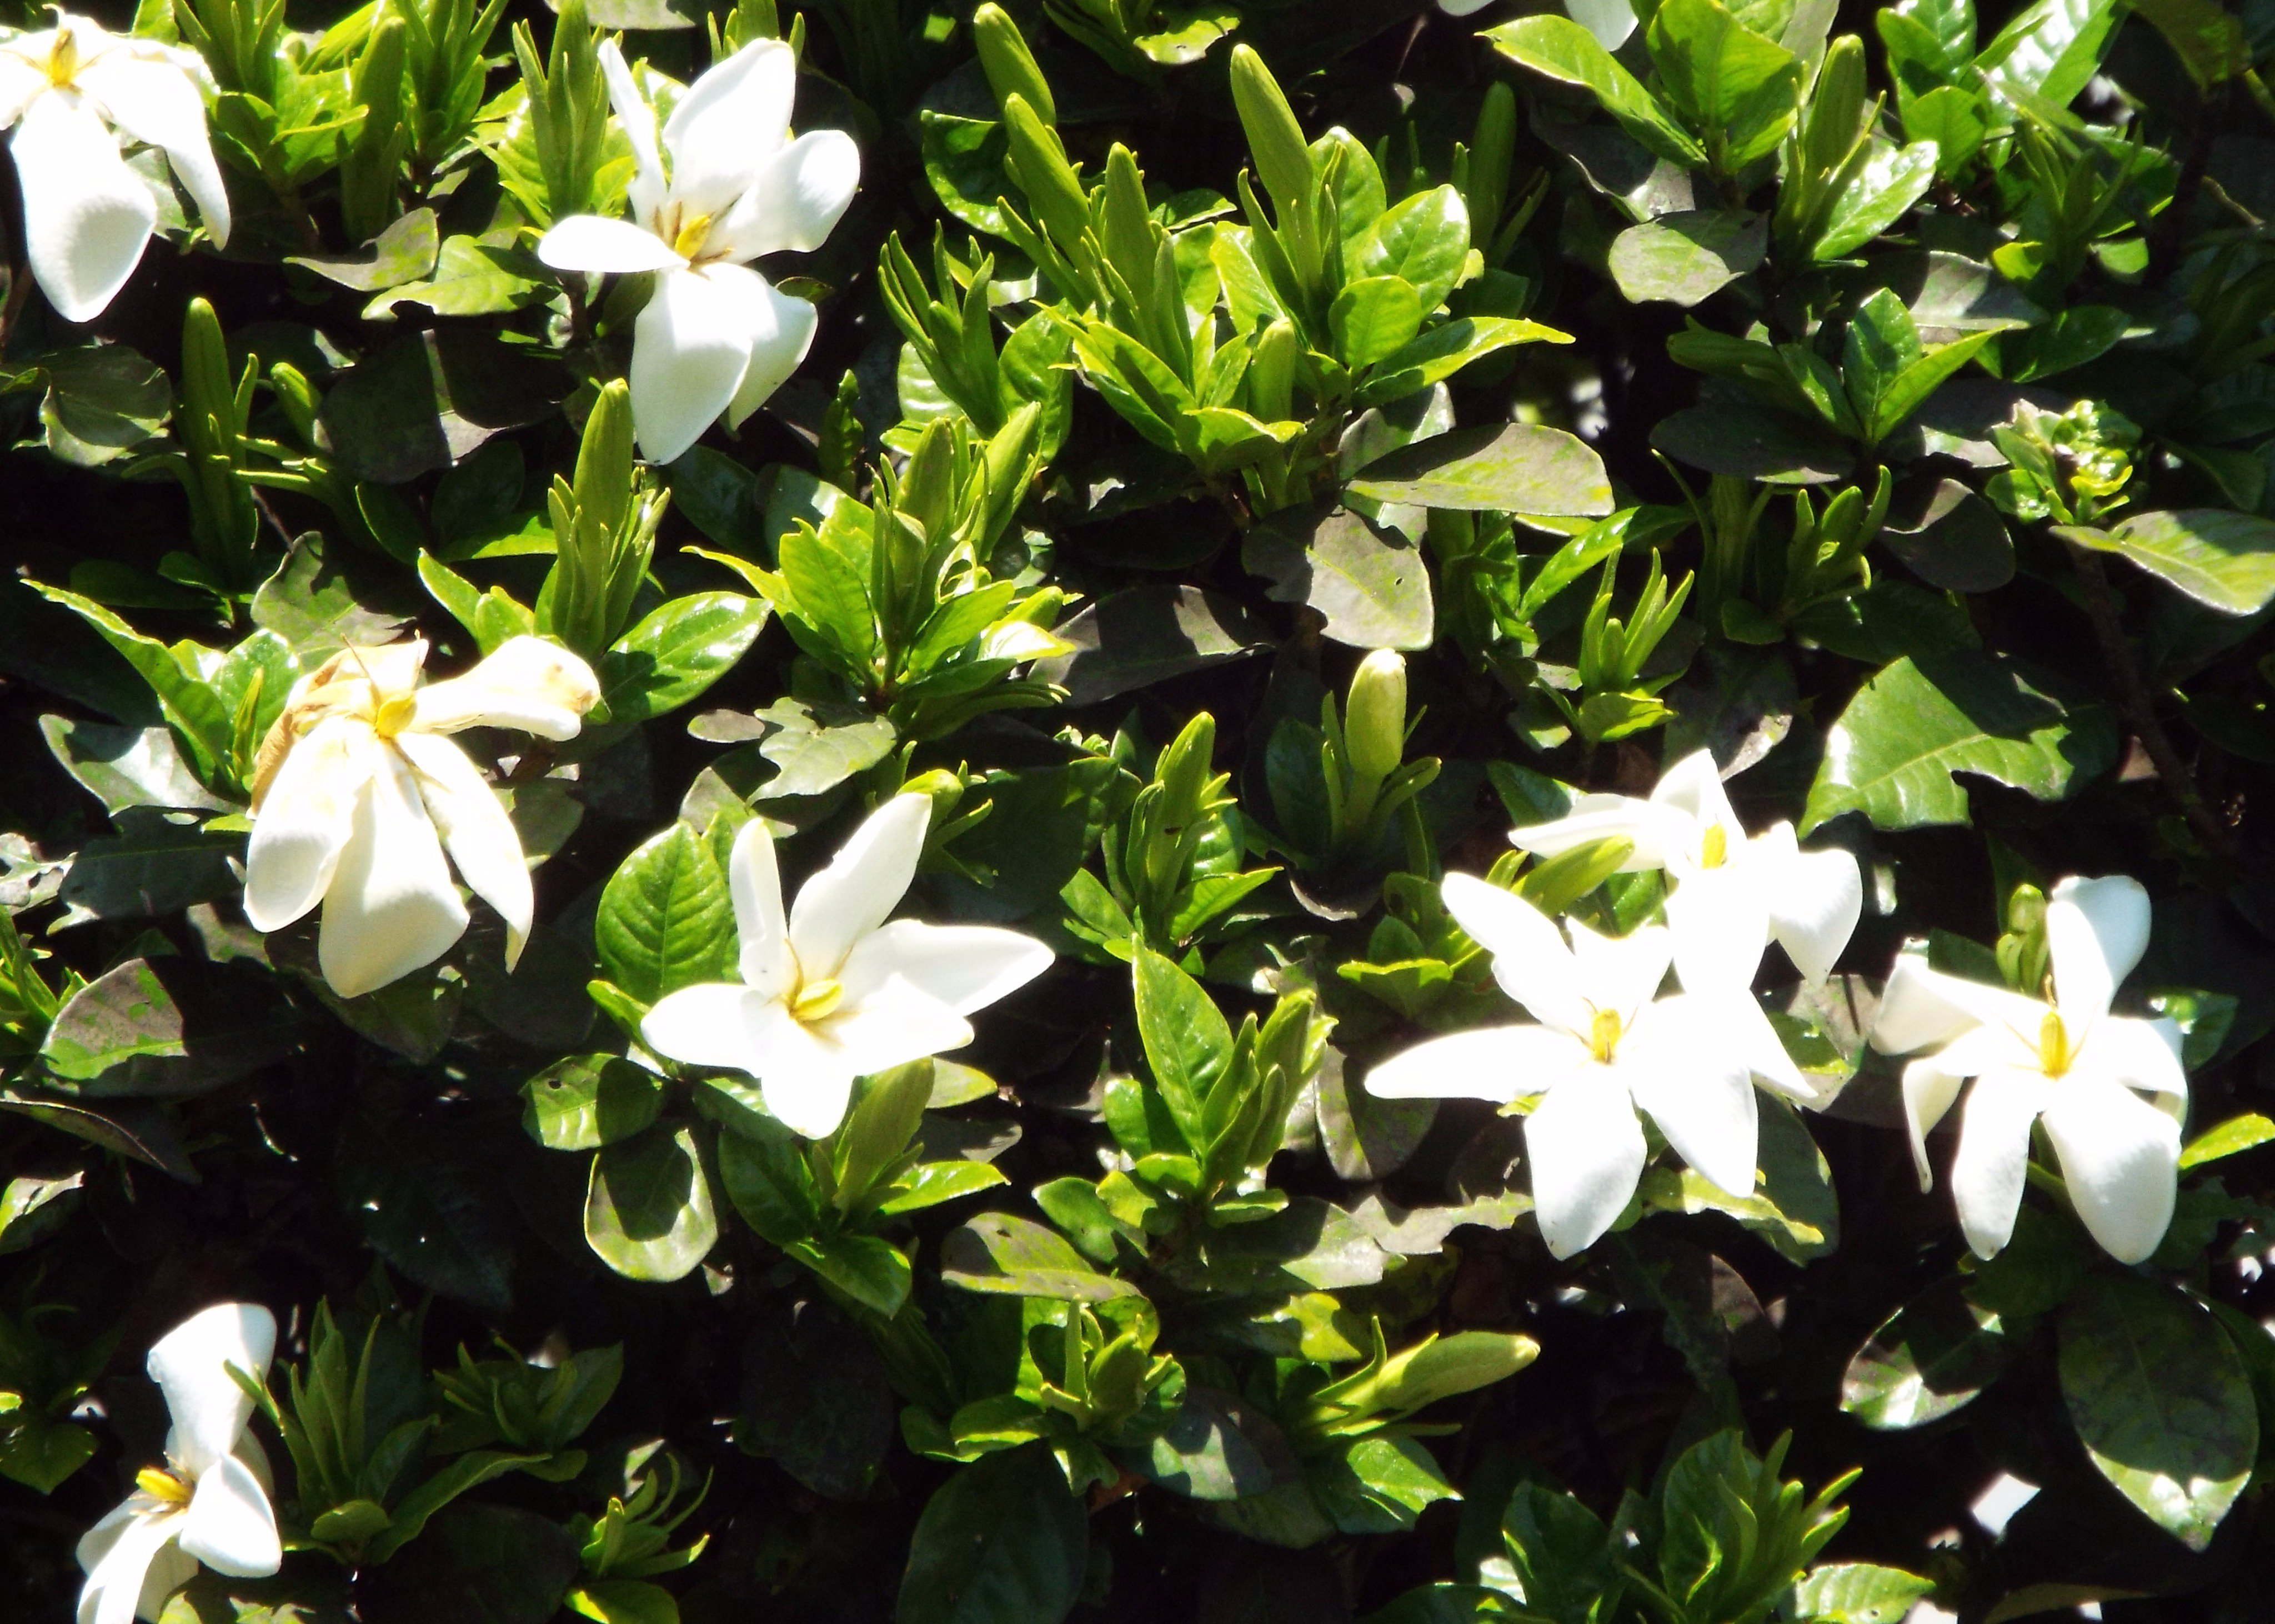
(1374,718)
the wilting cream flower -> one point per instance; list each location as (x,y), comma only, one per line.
(1606,1045)
(715,337)
(831,992)
(209,1502)
(357,792)
(71,92)
(2064,1060)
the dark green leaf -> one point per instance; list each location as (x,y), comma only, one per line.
(665,921)
(647,1211)
(168,1029)
(1002,1542)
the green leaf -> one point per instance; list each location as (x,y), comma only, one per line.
(158,863)
(1891,181)
(1374,319)
(815,1397)
(589,1101)
(676,653)
(665,919)
(1893,753)
(169,1028)
(100,401)
(403,253)
(2232,1138)
(1147,634)
(1002,1542)
(1422,241)
(1510,468)
(867,1268)
(429,1200)
(1188,1045)
(1442,351)
(1202,1454)
(2223,560)
(1370,586)
(1561,49)
(1857,1593)
(183,691)
(1958,542)
(998,1252)
(1933,1355)
(2161,1402)
(763,1166)
(2051,48)
(647,1209)
(39,1453)
(34,1208)
(1738,88)
(623,1601)
(126,766)
(1688,256)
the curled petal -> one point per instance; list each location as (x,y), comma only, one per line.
(795,201)
(477,830)
(1929,1088)
(729,125)
(1693,787)
(691,347)
(2135,1053)
(964,967)
(1921,1008)
(1988,1171)
(2120,1158)
(86,215)
(525,683)
(1815,899)
(131,1562)
(781,331)
(761,928)
(157,103)
(391,907)
(596,244)
(2096,931)
(1499,1063)
(303,823)
(1680,1064)
(1655,830)
(230,1527)
(191,1364)
(861,887)
(1530,959)
(1585,1149)
(805,1080)
(637,119)
(714,1024)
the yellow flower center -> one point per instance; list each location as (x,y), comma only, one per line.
(2054,1051)
(62,58)
(817,999)
(1604,1034)
(160,1483)
(1714,849)
(393,715)
(689,242)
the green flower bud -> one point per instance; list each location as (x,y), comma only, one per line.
(1374,716)
(1007,63)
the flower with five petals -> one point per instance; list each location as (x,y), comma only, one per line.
(357,792)
(715,337)
(209,1503)
(2063,1059)
(71,92)
(831,990)
(1604,1046)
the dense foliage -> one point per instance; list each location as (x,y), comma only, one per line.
(859,810)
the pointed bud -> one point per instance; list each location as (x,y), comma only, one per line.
(1374,716)
(1007,63)
(1275,139)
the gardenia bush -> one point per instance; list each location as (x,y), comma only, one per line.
(1264,812)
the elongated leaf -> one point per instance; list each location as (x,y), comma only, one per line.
(1686,257)
(676,653)
(168,1029)
(997,1252)
(1511,468)
(2225,561)
(1738,87)
(2051,48)
(1561,49)
(1371,590)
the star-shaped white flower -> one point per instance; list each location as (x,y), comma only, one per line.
(71,92)
(1733,893)
(2065,1061)
(359,792)
(715,337)
(831,992)
(209,1502)
(1606,1045)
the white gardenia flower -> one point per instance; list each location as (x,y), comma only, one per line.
(1733,893)
(715,337)
(1606,1045)
(2064,1060)
(358,791)
(209,1502)
(71,92)
(831,992)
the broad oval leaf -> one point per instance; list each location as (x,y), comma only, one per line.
(1510,468)
(2225,561)
(665,921)
(1002,1542)
(647,1208)
(998,1252)
(1935,1355)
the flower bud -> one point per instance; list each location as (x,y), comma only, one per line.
(1283,159)
(1007,63)
(1374,716)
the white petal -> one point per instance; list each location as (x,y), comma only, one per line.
(477,829)
(795,202)
(754,882)
(157,103)
(525,683)
(966,967)
(1586,1150)
(1815,899)
(1611,21)
(806,1083)
(1463,8)
(1680,1065)
(86,215)
(1530,959)
(781,331)
(889,1025)
(716,1023)
(137,1566)
(392,668)
(729,125)
(637,119)
(2143,1054)
(1740,1024)
(594,243)
(691,347)
(1719,919)
(1921,1008)
(391,907)
(1693,787)
(230,1527)
(2120,1158)
(1988,1173)
(2096,931)
(1656,830)
(20,79)
(1621,973)
(190,1364)
(1499,1063)
(303,821)
(1929,1091)
(861,887)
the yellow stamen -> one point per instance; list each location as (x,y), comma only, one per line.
(393,715)
(817,999)
(1604,1034)
(62,58)
(689,242)
(162,1485)
(2054,1051)
(1713,851)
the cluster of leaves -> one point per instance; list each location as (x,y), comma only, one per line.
(1253,454)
